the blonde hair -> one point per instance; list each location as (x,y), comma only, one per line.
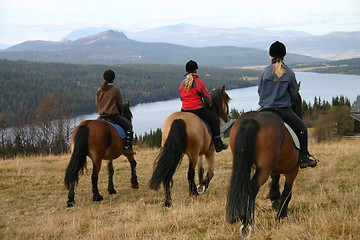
(189,79)
(278,66)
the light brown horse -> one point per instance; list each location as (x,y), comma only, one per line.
(260,140)
(185,133)
(99,140)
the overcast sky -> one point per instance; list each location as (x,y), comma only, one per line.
(22,20)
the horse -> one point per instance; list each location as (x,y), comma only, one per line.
(185,133)
(98,140)
(260,140)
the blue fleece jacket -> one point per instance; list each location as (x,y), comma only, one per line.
(276,92)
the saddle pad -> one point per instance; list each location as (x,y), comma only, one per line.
(293,135)
(119,129)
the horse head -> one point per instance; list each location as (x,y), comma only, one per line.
(220,103)
(297,102)
(126,111)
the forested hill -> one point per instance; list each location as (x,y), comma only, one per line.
(346,66)
(24,85)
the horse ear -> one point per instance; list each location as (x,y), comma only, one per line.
(223,88)
(127,103)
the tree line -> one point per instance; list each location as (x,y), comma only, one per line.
(48,136)
(26,84)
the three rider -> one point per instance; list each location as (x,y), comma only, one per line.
(276,87)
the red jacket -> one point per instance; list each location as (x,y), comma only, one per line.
(191,99)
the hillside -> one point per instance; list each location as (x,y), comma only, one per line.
(347,66)
(324,204)
(24,84)
(112,47)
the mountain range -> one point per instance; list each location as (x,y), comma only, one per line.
(113,47)
(332,46)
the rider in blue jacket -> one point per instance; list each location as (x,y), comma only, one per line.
(276,88)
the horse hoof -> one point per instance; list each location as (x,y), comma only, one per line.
(201,188)
(167,203)
(275,205)
(70,203)
(135,185)
(112,191)
(98,198)
(245,231)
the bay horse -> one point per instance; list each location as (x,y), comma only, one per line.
(98,140)
(185,133)
(261,141)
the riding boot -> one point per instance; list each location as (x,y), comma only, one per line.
(219,145)
(128,144)
(304,156)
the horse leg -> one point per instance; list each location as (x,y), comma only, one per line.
(201,171)
(259,179)
(210,173)
(133,180)
(286,194)
(167,193)
(71,195)
(191,176)
(274,192)
(111,188)
(94,180)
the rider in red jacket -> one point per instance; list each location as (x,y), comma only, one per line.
(194,97)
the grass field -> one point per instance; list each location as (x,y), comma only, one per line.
(325,203)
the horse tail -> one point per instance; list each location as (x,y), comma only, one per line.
(237,206)
(77,162)
(170,155)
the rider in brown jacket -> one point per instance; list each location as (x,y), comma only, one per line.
(109,102)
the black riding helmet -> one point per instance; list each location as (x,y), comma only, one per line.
(277,49)
(191,66)
(109,75)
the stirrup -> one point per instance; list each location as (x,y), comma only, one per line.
(129,150)
(221,146)
(309,161)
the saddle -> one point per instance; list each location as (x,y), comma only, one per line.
(111,121)
(207,126)
(292,133)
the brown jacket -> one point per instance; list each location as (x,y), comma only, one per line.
(109,101)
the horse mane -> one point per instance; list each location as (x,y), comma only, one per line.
(217,95)
(126,112)
(297,102)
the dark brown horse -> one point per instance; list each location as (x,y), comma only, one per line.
(260,140)
(99,140)
(185,133)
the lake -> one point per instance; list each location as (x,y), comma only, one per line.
(150,116)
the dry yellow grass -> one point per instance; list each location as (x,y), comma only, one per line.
(325,203)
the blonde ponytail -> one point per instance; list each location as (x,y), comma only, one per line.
(189,81)
(278,67)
